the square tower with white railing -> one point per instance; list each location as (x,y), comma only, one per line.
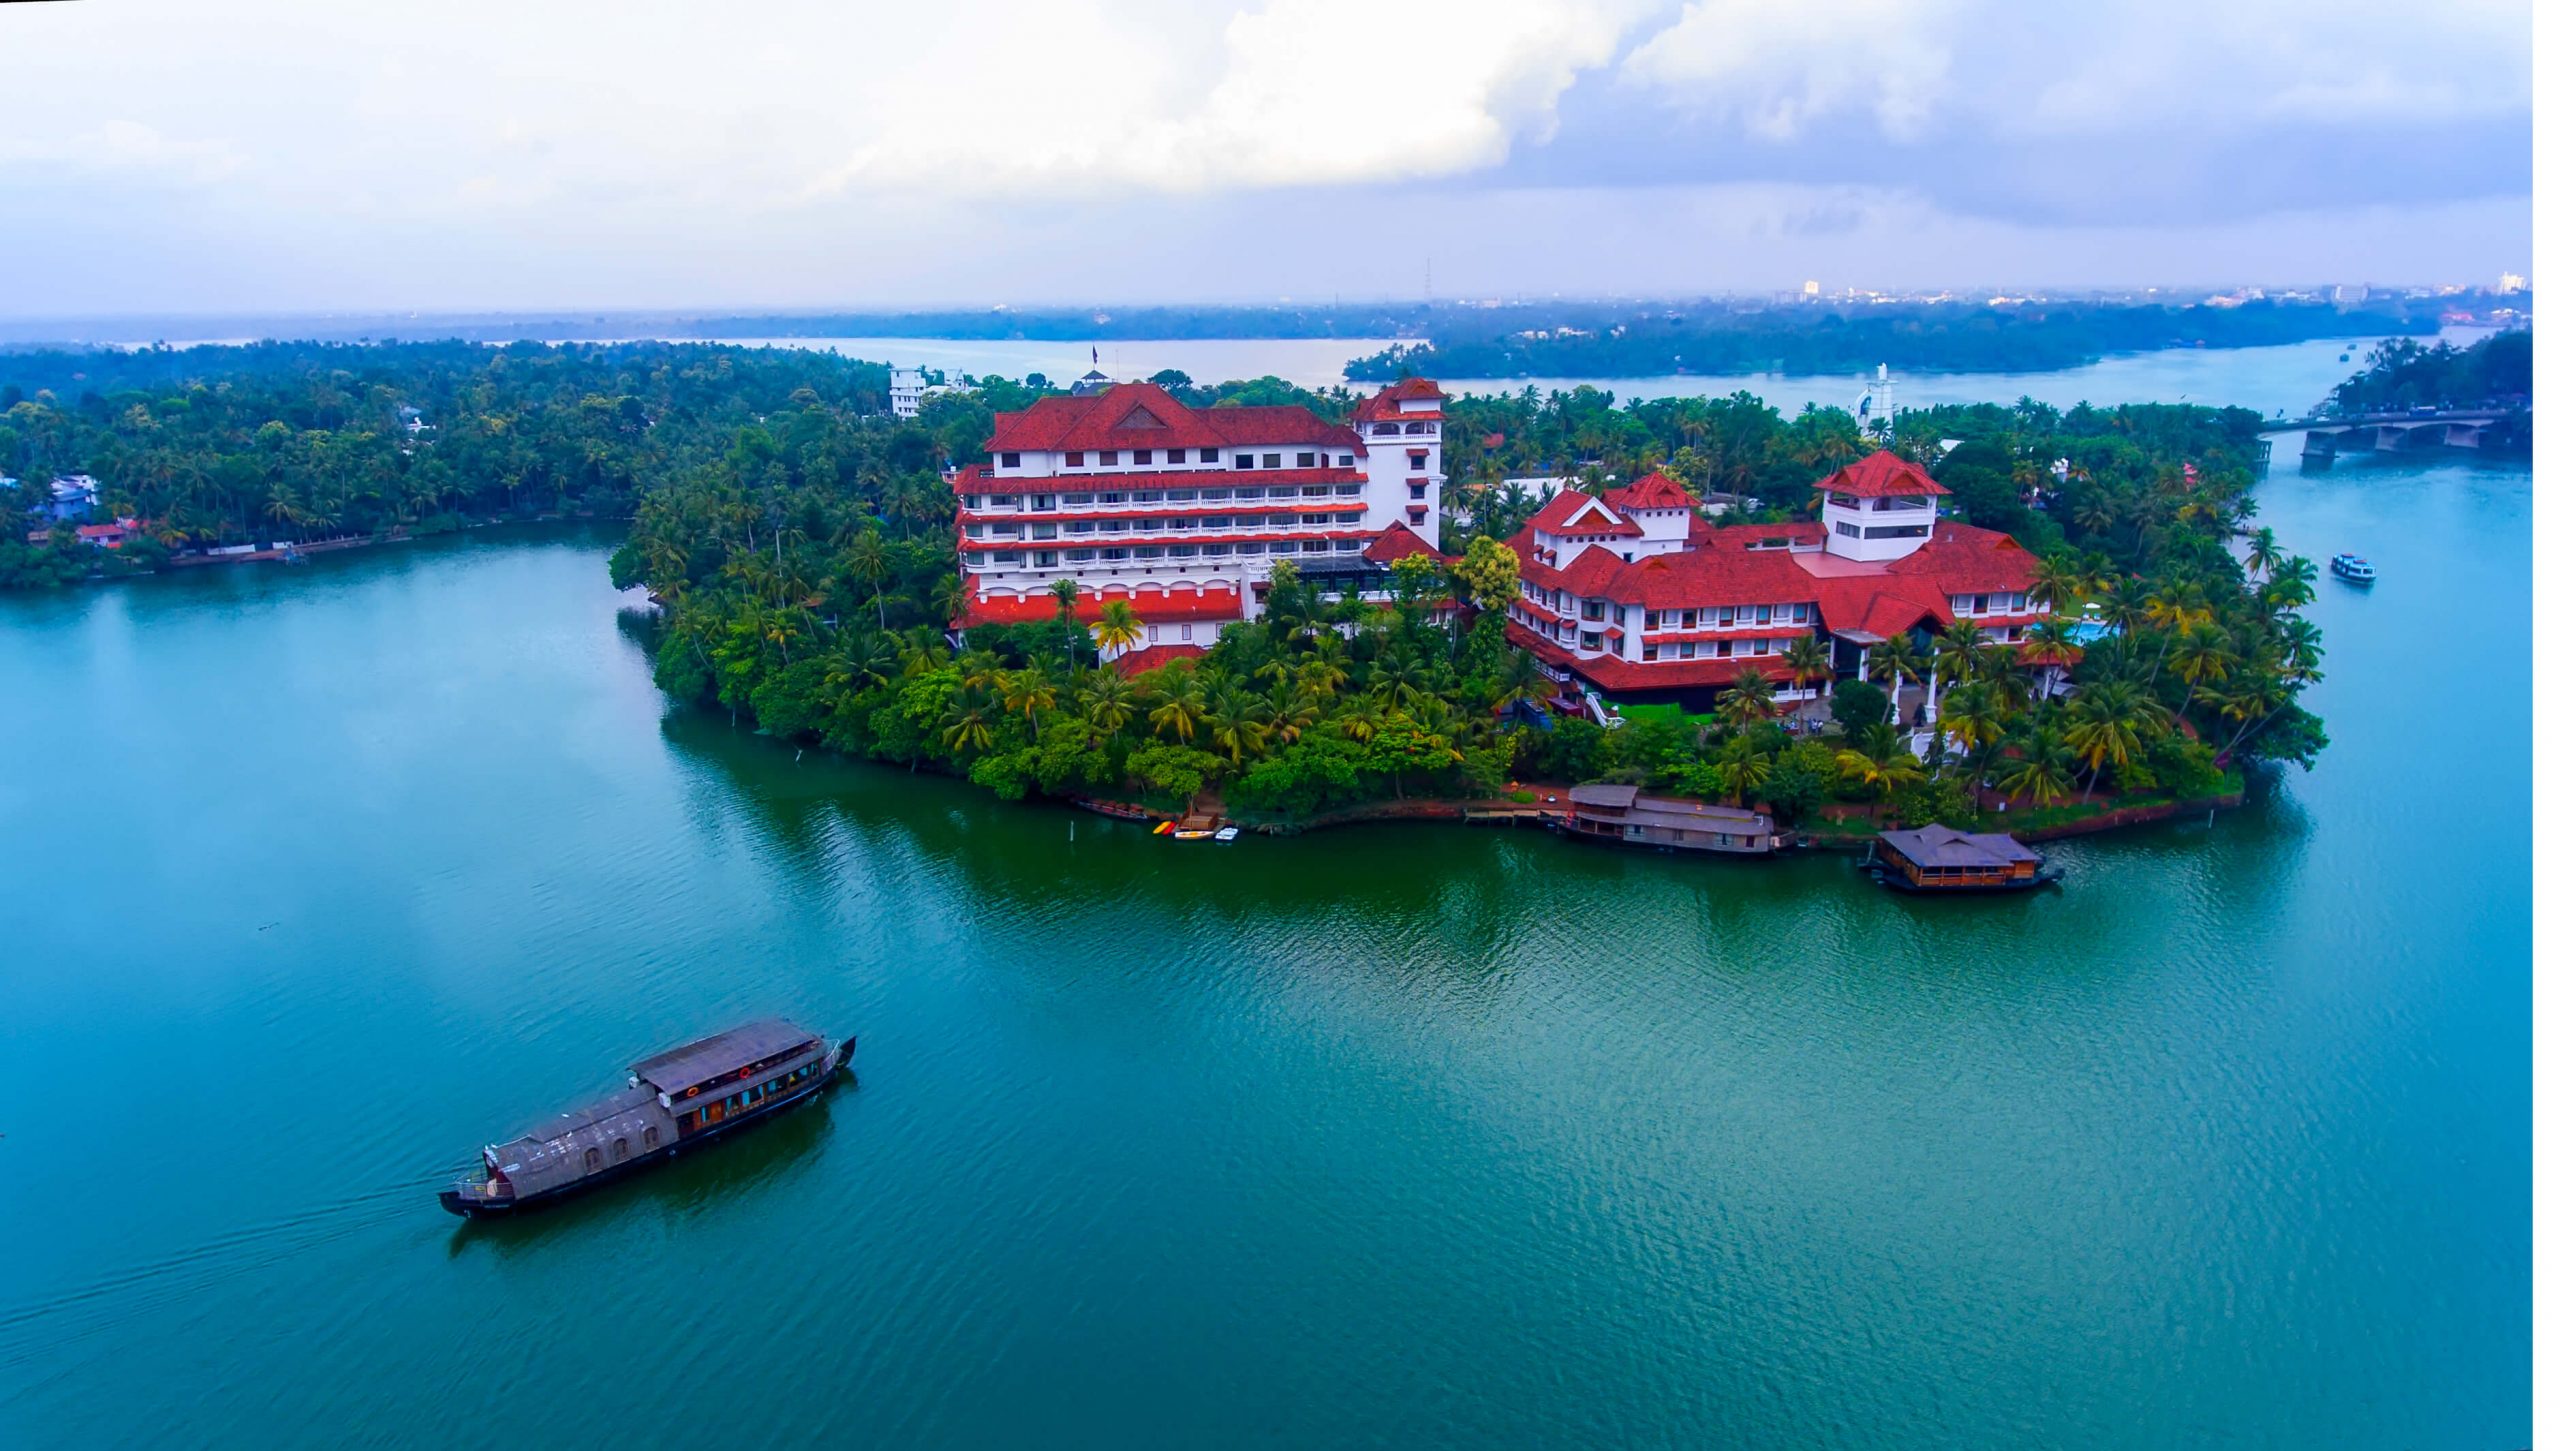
(1401,427)
(1878,509)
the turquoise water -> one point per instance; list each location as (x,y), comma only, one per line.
(320,878)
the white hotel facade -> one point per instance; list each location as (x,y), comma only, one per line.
(1184,511)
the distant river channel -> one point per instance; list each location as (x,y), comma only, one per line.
(319,879)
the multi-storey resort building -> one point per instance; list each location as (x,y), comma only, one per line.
(1635,595)
(1183,511)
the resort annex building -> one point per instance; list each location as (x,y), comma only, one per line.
(1183,511)
(1635,595)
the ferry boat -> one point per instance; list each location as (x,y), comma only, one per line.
(2351,567)
(681,1098)
(1940,859)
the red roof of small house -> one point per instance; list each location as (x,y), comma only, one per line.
(1397,542)
(1138,662)
(1388,402)
(1656,490)
(1882,475)
(102,531)
(1572,514)
(1619,676)
(1142,415)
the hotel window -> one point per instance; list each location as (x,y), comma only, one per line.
(1688,651)
(1142,455)
(1346,518)
(1177,455)
(1214,550)
(1179,496)
(1149,496)
(1115,556)
(1244,460)
(1271,460)
(1208,455)
(1652,652)
(1344,461)
(1080,526)
(1724,649)
(1150,551)
(1186,632)
(1248,547)
(1761,616)
(1044,531)
(1044,501)
(1008,556)
(1114,498)
(1075,460)
(1724,616)
(1008,460)
(1344,489)
(1079,556)
(1244,494)
(1078,501)
(1590,640)
(1045,559)
(1306,460)
(1348,546)
(1284,546)
(1110,457)
(1184,551)
(1419,459)
(1115,526)
(1414,490)
(1653,619)
(1849,531)
(1211,496)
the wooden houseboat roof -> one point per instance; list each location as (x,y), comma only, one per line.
(620,1114)
(1940,845)
(678,1069)
(1643,808)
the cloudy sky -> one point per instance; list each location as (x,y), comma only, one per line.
(183,156)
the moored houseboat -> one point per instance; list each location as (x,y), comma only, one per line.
(1631,817)
(1939,858)
(674,1101)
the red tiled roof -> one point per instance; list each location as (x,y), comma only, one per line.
(1656,490)
(976,480)
(1154,604)
(1882,475)
(1142,415)
(1138,662)
(1383,403)
(1397,542)
(1613,674)
(1966,558)
(1572,514)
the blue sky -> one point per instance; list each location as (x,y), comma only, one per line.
(275,155)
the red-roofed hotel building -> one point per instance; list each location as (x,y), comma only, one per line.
(1183,511)
(1634,595)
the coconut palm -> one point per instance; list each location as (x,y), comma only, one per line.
(1521,683)
(2106,726)
(2042,770)
(1807,659)
(2176,606)
(1888,772)
(866,559)
(1361,718)
(2057,580)
(2291,583)
(1972,718)
(1107,700)
(1751,698)
(1957,657)
(2049,651)
(966,729)
(2202,655)
(1028,691)
(1236,721)
(1179,705)
(2264,553)
(1746,767)
(1119,629)
(1896,660)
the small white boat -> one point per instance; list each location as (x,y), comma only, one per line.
(2352,568)
(1226,833)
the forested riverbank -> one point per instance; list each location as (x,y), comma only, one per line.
(798,538)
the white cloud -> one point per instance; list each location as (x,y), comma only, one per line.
(1294,93)
(2089,67)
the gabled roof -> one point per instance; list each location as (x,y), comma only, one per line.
(1397,542)
(1572,514)
(1940,845)
(1880,476)
(1656,490)
(1142,415)
(678,1069)
(1388,402)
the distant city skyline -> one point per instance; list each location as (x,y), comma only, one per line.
(479,157)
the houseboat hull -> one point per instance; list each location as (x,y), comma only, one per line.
(1566,828)
(2051,876)
(839,1065)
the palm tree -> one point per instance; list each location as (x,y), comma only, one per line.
(1360,719)
(1888,773)
(1236,721)
(1956,658)
(1119,629)
(2264,553)
(980,670)
(1521,682)
(1972,717)
(2202,654)
(1030,691)
(1326,665)
(1746,767)
(2106,726)
(2177,605)
(1401,676)
(1179,705)
(965,730)
(1749,699)
(1295,714)
(2042,770)
(1107,700)
(1066,592)
(866,560)
(2290,583)
(2049,651)
(1807,659)
(1896,659)
(2057,580)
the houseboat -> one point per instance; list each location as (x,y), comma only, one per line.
(679,1099)
(2353,568)
(1939,858)
(1632,817)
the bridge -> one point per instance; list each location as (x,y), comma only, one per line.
(2398,431)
